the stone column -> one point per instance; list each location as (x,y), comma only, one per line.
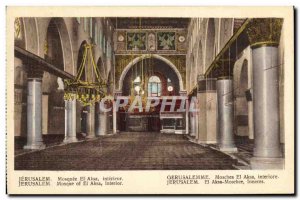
(207,115)
(114,118)
(264,37)
(70,121)
(90,122)
(34,109)
(184,94)
(115,113)
(103,123)
(225,115)
(192,120)
(102,117)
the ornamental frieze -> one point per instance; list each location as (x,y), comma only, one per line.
(159,41)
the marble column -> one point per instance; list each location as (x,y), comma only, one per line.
(104,129)
(114,118)
(225,115)
(264,35)
(183,95)
(193,121)
(267,152)
(187,106)
(34,110)
(207,115)
(70,121)
(102,124)
(90,122)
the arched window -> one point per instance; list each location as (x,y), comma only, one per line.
(154,86)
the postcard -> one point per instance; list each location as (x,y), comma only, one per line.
(150,100)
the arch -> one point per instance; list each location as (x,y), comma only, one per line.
(101,67)
(241,105)
(243,78)
(136,60)
(193,68)
(210,42)
(31,35)
(200,59)
(226,31)
(110,83)
(19,33)
(67,49)
(79,60)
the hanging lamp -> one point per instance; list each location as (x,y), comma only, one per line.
(87,92)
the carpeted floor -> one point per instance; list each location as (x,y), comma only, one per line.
(127,151)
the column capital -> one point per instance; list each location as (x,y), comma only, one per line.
(206,84)
(264,31)
(34,72)
(224,78)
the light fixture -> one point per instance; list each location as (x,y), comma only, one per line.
(87,92)
(170,88)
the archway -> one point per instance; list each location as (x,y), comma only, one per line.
(53,101)
(20,81)
(158,68)
(101,67)
(155,56)
(226,30)
(241,103)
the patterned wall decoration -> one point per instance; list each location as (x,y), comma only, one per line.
(180,62)
(151,41)
(136,41)
(123,60)
(166,41)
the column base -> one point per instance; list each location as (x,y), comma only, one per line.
(35,146)
(103,133)
(267,163)
(70,140)
(229,149)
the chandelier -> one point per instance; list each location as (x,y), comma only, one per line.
(87,92)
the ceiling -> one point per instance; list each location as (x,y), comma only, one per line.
(149,23)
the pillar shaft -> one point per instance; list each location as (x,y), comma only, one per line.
(90,122)
(193,125)
(34,114)
(207,115)
(70,121)
(266,102)
(114,118)
(103,121)
(225,115)
(187,116)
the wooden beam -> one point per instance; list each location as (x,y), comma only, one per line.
(29,57)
